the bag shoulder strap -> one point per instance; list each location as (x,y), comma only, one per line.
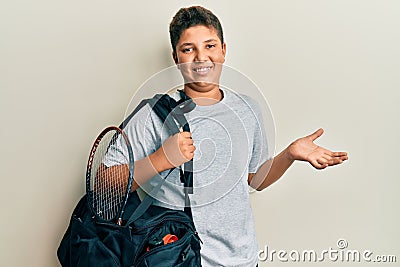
(170,112)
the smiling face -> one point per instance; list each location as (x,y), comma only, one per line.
(200,55)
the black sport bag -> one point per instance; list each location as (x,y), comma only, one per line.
(144,239)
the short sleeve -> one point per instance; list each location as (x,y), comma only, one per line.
(259,149)
(140,131)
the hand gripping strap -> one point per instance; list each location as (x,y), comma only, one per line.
(169,111)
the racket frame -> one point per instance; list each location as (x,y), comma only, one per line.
(89,192)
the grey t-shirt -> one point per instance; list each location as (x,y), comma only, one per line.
(230,142)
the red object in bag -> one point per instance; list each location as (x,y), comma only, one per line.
(169,239)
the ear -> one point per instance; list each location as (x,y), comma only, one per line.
(175,57)
(224,50)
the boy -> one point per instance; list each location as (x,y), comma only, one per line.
(233,149)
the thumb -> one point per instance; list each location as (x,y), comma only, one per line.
(316,134)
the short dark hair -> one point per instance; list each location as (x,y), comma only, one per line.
(191,16)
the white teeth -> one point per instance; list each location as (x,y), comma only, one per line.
(203,69)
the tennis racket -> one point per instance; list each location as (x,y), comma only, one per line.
(109,175)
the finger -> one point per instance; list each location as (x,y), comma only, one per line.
(338,160)
(322,161)
(344,158)
(316,134)
(189,155)
(185,134)
(334,161)
(339,154)
(187,142)
(317,165)
(190,148)
(327,158)
(327,152)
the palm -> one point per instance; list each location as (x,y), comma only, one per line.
(305,149)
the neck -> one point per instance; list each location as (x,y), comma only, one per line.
(204,97)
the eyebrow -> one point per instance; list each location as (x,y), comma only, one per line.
(210,41)
(207,41)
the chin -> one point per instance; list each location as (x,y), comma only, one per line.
(202,86)
(206,86)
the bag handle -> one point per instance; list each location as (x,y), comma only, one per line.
(147,201)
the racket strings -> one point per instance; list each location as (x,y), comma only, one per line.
(109,183)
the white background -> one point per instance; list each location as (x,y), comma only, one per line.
(69,68)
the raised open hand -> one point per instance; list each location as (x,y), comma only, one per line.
(305,149)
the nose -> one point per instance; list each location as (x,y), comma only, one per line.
(201,55)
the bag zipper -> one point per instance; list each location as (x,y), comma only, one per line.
(177,219)
(186,222)
(156,249)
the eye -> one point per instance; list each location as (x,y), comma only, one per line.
(210,46)
(187,50)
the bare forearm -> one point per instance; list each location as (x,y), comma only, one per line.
(148,167)
(303,149)
(144,169)
(271,170)
(175,151)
